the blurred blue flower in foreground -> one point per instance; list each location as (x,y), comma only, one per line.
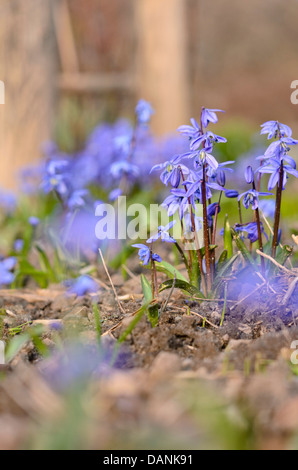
(18,245)
(34,221)
(83,285)
(78,364)
(144,254)
(76,199)
(6,266)
(8,202)
(55,178)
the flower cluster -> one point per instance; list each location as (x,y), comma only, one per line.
(186,180)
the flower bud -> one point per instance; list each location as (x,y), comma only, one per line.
(249,175)
(231,193)
(221,178)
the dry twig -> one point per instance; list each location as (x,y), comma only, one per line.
(111,282)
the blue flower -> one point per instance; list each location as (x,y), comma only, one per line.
(6,266)
(8,202)
(18,245)
(195,189)
(83,285)
(275,129)
(251,198)
(173,202)
(188,223)
(208,139)
(193,132)
(251,231)
(209,115)
(144,111)
(279,148)
(163,234)
(211,211)
(118,169)
(34,221)
(205,158)
(55,178)
(115,194)
(76,199)
(274,167)
(180,196)
(214,174)
(171,171)
(144,254)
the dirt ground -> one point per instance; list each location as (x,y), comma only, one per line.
(189,383)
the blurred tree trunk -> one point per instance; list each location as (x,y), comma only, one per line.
(27,68)
(162,61)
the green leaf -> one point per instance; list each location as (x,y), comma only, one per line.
(152,311)
(15,345)
(169,270)
(222,259)
(241,246)
(283,254)
(183,285)
(136,318)
(221,273)
(195,273)
(147,289)
(228,239)
(26,269)
(45,264)
(211,248)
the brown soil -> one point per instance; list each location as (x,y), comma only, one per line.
(247,359)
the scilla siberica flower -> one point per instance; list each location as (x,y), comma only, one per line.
(251,198)
(273,167)
(118,169)
(83,285)
(145,254)
(163,234)
(171,171)
(6,266)
(193,132)
(18,245)
(208,139)
(275,129)
(76,199)
(55,178)
(209,115)
(173,202)
(211,211)
(34,221)
(144,111)
(251,231)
